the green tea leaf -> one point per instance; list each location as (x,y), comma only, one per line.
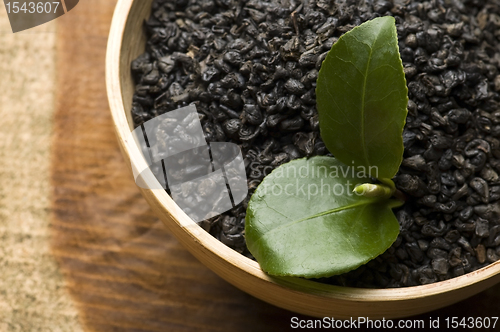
(362,97)
(304,220)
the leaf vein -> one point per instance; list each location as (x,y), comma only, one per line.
(293,222)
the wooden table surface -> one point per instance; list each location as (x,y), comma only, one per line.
(121,267)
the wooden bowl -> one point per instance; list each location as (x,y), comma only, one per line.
(126,42)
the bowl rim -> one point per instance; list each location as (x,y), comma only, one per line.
(158,198)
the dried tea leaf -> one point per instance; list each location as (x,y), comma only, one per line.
(305,220)
(361,97)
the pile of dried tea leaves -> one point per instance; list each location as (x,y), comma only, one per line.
(251,68)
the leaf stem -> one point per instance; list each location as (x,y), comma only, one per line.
(400,196)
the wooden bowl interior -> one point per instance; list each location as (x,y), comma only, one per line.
(126,41)
(134,44)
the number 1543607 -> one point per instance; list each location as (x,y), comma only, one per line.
(31,7)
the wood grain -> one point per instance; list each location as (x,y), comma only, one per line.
(126,42)
(31,292)
(123,269)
